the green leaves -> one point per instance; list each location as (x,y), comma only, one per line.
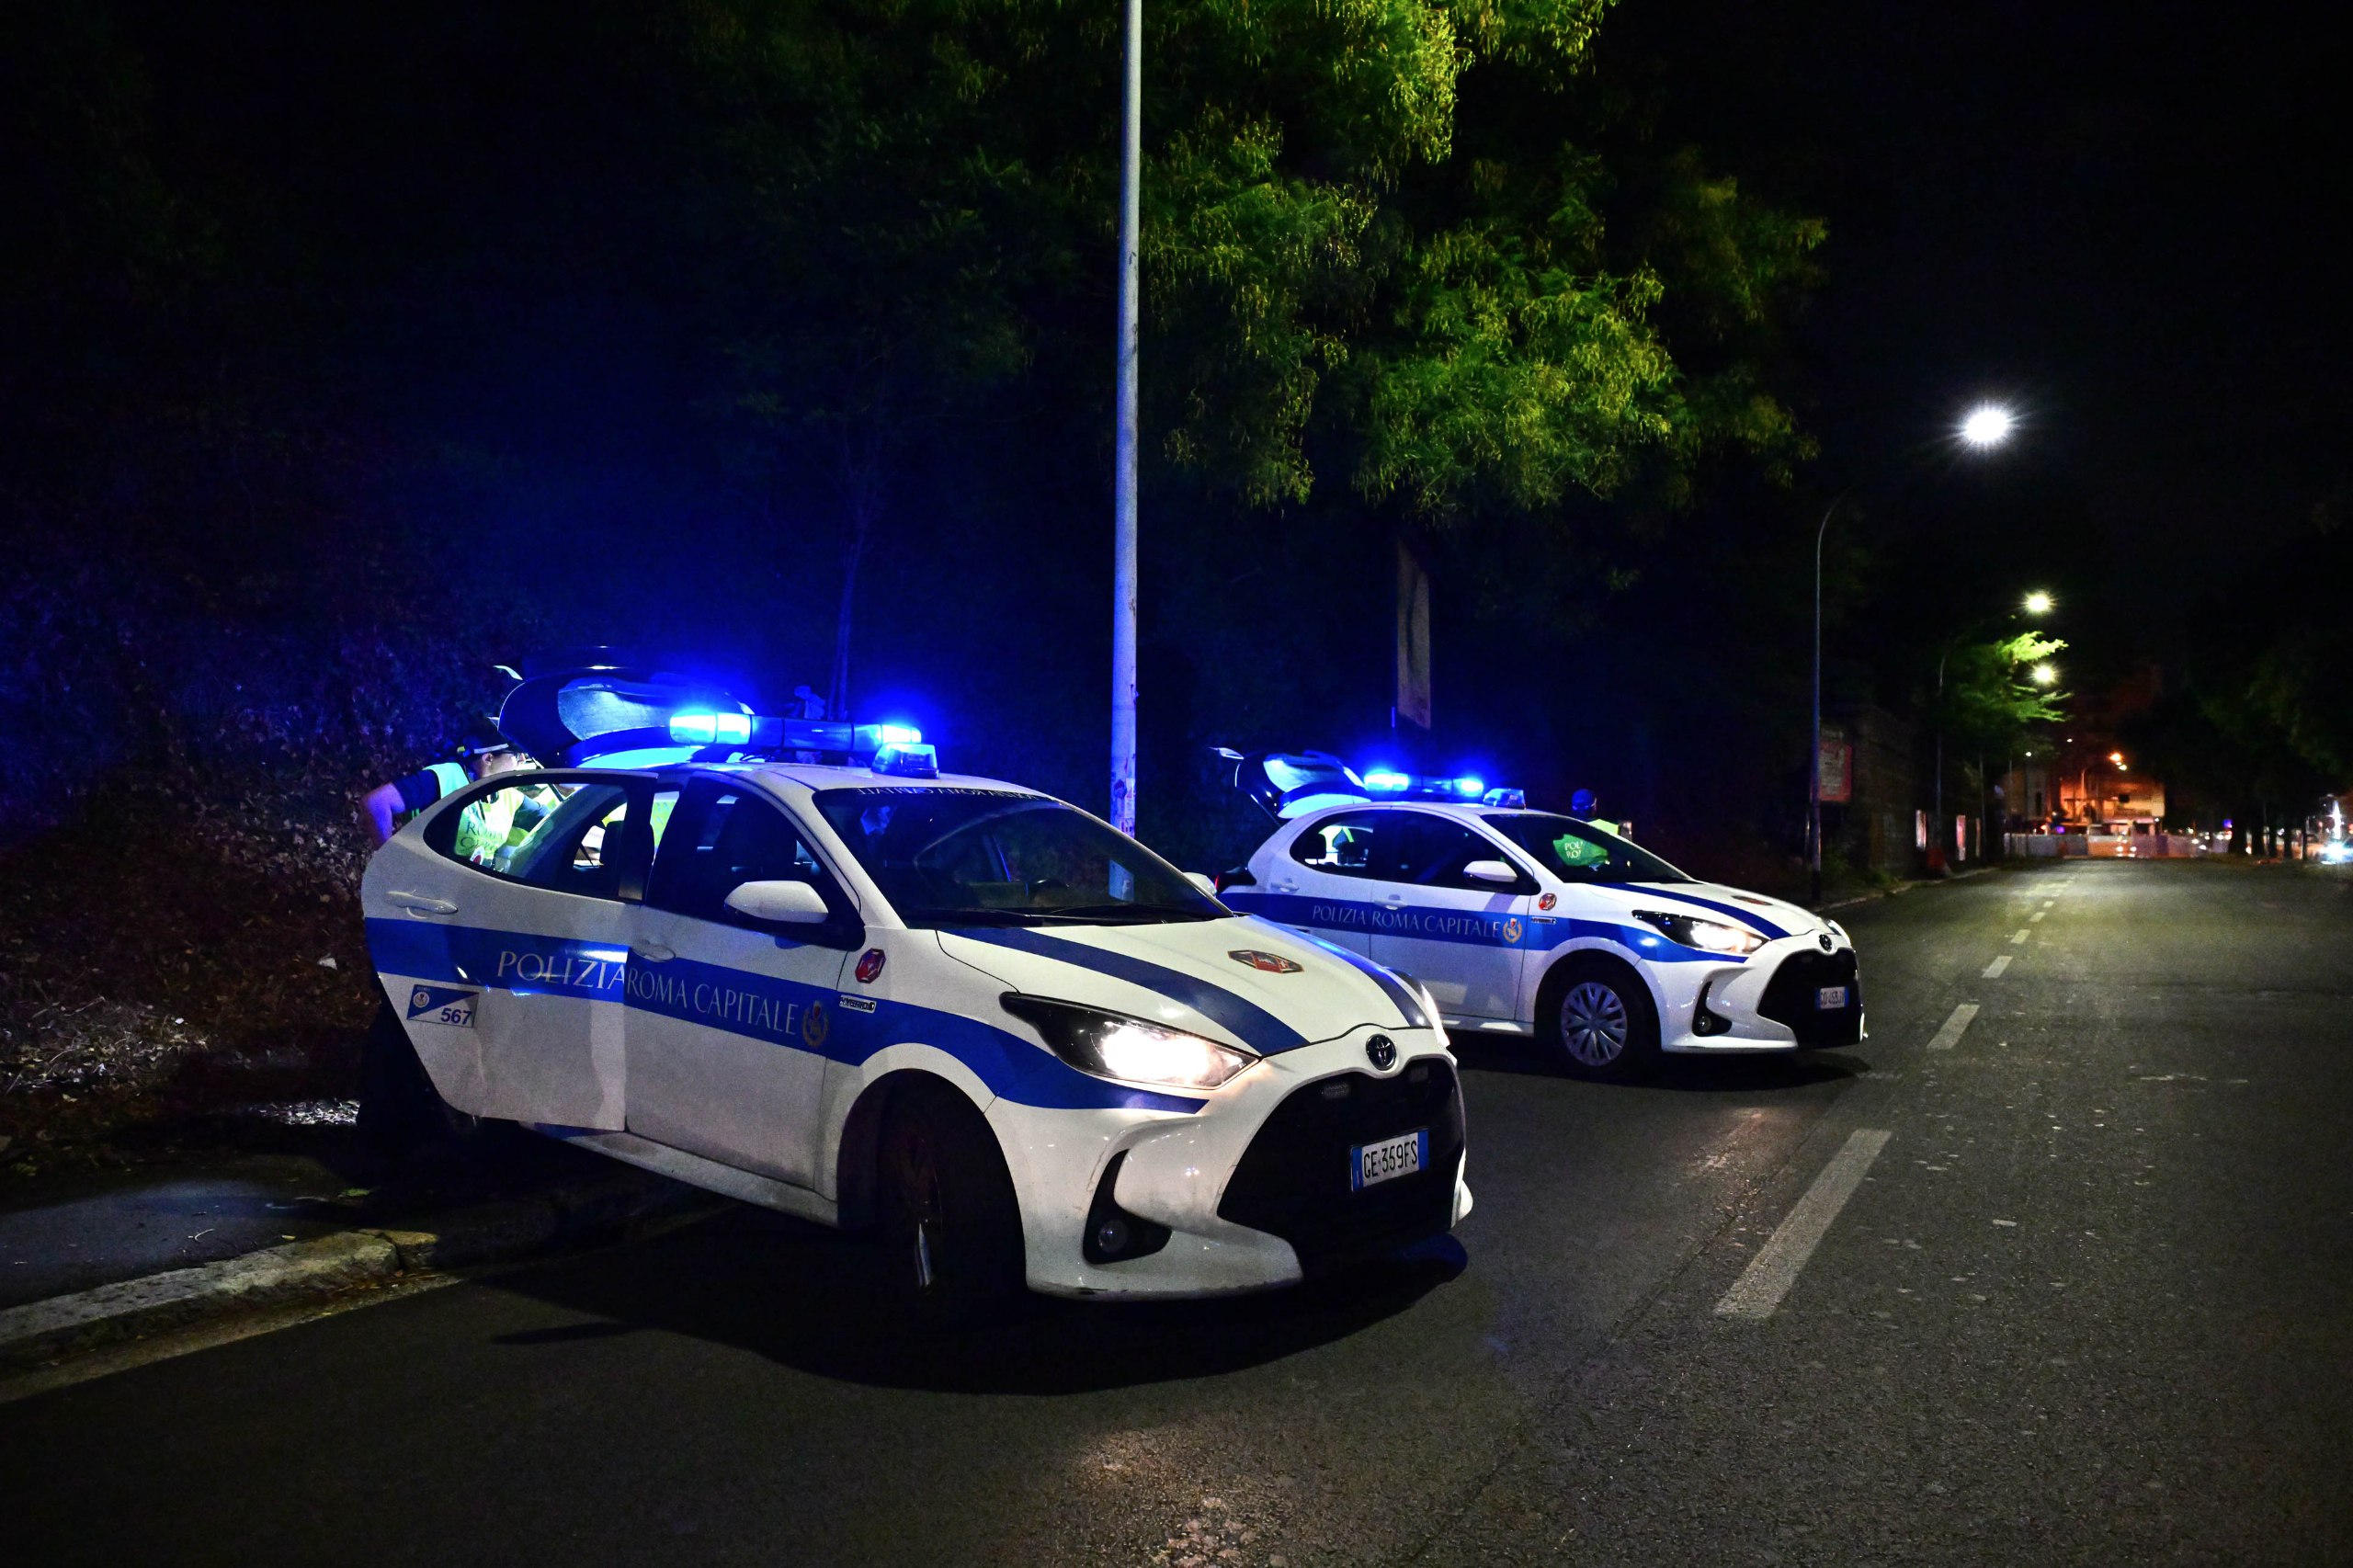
(1335,290)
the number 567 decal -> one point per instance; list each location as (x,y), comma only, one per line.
(439,1005)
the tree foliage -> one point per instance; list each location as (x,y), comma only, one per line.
(1337,290)
(1990,704)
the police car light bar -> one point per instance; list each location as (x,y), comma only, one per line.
(910,761)
(1418,787)
(712,729)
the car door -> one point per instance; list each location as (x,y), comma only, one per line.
(1461,938)
(730,1018)
(500,931)
(1326,880)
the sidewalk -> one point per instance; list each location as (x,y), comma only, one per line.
(88,1258)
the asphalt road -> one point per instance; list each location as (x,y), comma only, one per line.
(2086,1300)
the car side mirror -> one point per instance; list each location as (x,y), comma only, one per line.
(1494,871)
(783,903)
(1202,881)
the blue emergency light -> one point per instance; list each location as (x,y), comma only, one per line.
(712,729)
(909,761)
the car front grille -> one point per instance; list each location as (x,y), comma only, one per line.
(1790,998)
(1293,1180)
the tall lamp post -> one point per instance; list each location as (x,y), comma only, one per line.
(1985,426)
(1123,502)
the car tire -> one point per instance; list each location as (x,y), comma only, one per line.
(1601,1022)
(400,1111)
(948,1231)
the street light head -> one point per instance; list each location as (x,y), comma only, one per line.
(2117,757)
(1987,425)
(2038,603)
(2044,675)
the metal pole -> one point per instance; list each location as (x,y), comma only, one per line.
(1123,505)
(1940,745)
(1814,770)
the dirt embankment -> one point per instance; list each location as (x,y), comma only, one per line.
(168,975)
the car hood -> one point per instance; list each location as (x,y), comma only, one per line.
(1242,980)
(1770,917)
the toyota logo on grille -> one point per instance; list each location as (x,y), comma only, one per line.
(1382,1052)
(1826,943)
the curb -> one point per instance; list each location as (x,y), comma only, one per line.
(498,1230)
(1906,886)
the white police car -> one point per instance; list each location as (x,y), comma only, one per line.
(1527,922)
(1013,1041)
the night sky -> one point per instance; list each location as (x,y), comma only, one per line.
(2125,218)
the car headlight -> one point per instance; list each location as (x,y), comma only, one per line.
(1112,1045)
(1708,936)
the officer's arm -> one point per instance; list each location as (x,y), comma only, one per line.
(382,804)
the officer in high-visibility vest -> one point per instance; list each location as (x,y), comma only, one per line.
(487,823)
(1585,804)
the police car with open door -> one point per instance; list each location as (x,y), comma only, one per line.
(794,963)
(1533,923)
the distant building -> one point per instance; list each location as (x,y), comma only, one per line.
(2081,772)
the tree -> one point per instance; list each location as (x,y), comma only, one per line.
(1988,706)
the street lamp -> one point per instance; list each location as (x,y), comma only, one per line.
(2038,603)
(1988,425)
(2043,674)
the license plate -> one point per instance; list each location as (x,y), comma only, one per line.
(1830,996)
(1371,1164)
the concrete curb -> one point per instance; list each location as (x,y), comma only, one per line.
(1904,887)
(502,1229)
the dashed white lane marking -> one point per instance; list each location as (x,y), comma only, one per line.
(1775,1268)
(1955,1027)
(1994,970)
(2022,935)
(2035,916)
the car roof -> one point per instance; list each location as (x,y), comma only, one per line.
(816,775)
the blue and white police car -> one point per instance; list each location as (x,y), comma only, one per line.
(1533,923)
(795,963)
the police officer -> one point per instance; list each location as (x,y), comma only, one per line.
(487,823)
(1587,804)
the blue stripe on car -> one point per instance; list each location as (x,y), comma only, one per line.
(758,1007)
(1481,928)
(1748,915)
(1252,1025)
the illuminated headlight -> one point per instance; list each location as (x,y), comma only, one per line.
(1110,1045)
(1708,936)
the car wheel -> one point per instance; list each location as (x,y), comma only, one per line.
(948,1236)
(400,1111)
(1603,1024)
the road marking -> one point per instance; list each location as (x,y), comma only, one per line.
(1955,1027)
(2022,935)
(1994,970)
(1775,1268)
(2035,916)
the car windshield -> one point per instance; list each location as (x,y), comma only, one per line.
(961,857)
(1579,852)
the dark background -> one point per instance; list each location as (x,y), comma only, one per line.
(352,351)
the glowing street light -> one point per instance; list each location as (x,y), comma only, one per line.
(2042,674)
(1987,425)
(2038,603)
